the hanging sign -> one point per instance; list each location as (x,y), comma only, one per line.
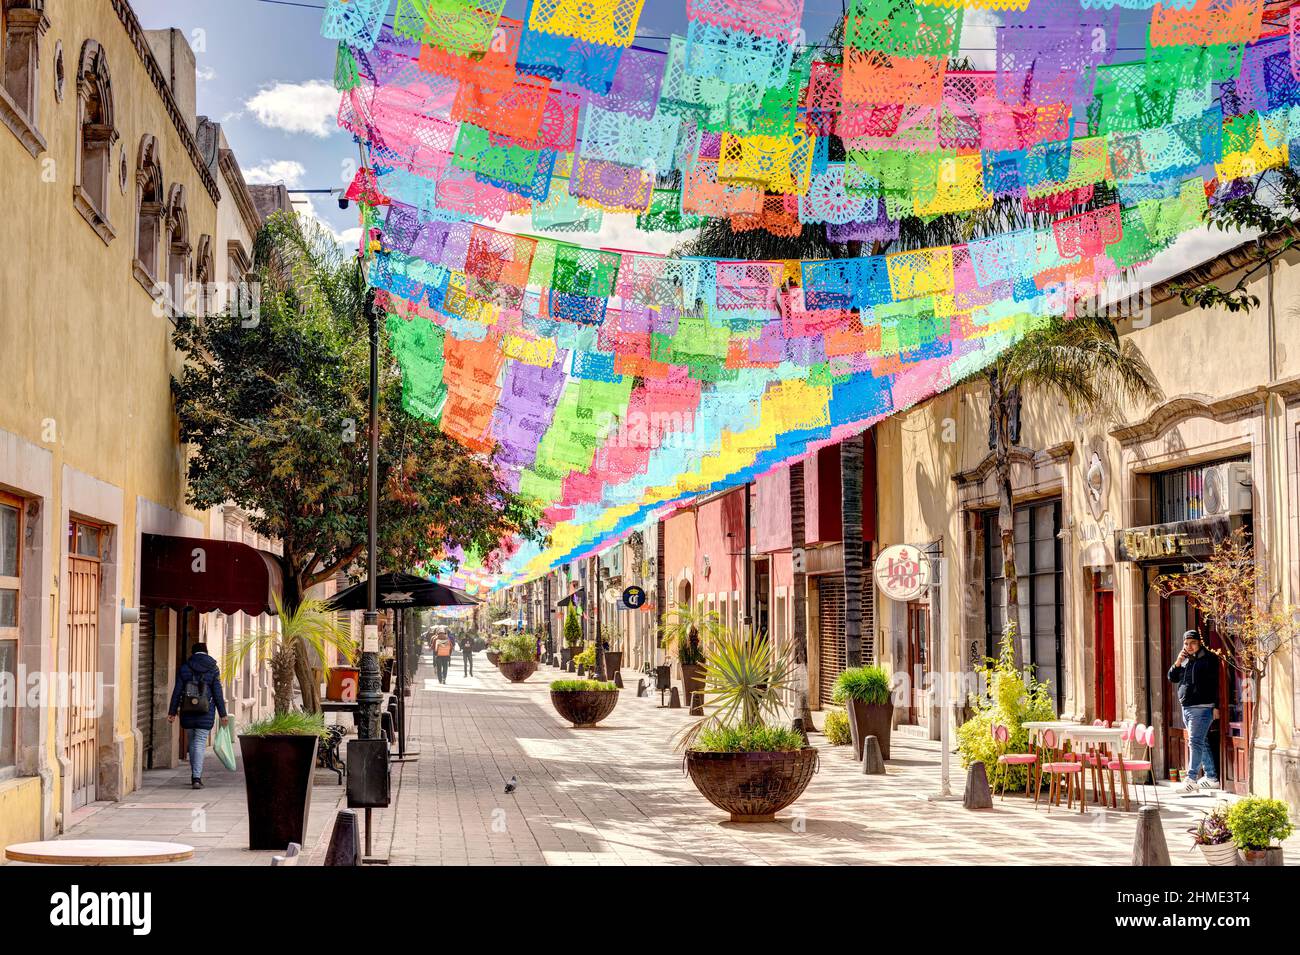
(633,598)
(902,572)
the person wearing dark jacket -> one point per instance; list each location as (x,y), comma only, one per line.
(1196,671)
(198,676)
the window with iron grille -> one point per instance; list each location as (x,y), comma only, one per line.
(1039,574)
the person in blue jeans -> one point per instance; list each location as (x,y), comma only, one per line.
(199,672)
(1196,671)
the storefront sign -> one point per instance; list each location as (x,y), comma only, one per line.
(1174,541)
(902,572)
(633,598)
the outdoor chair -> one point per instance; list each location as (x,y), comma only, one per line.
(1140,739)
(1061,768)
(1006,760)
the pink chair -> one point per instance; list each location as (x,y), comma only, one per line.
(1139,739)
(1001,735)
(1062,768)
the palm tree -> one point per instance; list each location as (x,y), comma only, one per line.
(687,630)
(1082,360)
(310,624)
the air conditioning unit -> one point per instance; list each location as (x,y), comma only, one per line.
(1226,488)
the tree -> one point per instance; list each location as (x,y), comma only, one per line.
(1265,206)
(275,410)
(1082,360)
(310,624)
(1226,589)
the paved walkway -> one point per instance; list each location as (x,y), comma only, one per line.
(615,794)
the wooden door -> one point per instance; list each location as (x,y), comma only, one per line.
(1103,630)
(1228,735)
(918,658)
(83,665)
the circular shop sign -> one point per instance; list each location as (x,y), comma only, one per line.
(902,572)
(633,598)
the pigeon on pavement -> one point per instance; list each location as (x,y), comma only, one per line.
(512,785)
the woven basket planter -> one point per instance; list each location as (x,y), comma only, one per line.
(584,707)
(752,787)
(518,672)
(494,657)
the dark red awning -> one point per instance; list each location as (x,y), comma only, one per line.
(208,575)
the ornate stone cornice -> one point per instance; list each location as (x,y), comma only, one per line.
(1233,407)
(136,33)
(977,475)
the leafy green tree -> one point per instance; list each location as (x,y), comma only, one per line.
(1265,208)
(275,411)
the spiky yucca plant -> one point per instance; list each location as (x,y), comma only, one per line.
(745,678)
(310,624)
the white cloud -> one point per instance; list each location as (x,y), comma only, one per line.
(310,107)
(205,74)
(287,171)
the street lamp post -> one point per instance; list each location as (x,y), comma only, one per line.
(369,694)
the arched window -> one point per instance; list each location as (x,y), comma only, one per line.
(149,211)
(21,24)
(97,136)
(204,278)
(178,247)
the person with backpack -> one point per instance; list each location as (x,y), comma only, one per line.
(198,688)
(442,655)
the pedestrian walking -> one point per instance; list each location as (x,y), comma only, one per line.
(467,653)
(197,691)
(442,655)
(1196,671)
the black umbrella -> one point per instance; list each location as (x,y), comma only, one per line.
(402,591)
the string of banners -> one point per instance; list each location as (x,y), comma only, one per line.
(615,383)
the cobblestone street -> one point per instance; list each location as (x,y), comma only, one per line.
(616,795)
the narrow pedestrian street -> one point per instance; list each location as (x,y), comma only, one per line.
(616,795)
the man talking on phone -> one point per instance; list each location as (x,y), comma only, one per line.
(1196,671)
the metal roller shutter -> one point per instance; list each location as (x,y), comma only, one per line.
(830,633)
(144,686)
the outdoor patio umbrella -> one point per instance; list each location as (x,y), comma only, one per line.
(398,592)
(402,590)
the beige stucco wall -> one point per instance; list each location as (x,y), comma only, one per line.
(86,358)
(1214,369)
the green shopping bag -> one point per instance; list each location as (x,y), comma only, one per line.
(223,744)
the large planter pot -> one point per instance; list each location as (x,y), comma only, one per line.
(519,671)
(1270,856)
(341,685)
(613,661)
(277,780)
(566,654)
(584,707)
(493,657)
(752,787)
(870,719)
(386,674)
(692,681)
(1225,853)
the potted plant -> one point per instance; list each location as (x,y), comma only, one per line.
(743,758)
(613,658)
(279,755)
(583,702)
(685,634)
(518,657)
(494,651)
(837,728)
(387,663)
(1256,823)
(866,694)
(279,752)
(586,660)
(1214,837)
(341,683)
(572,636)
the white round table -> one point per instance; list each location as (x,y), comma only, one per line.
(98,852)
